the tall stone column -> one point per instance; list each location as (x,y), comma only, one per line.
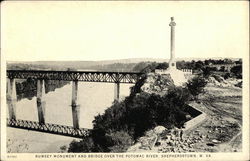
(11,98)
(40,100)
(117,91)
(74,105)
(172,63)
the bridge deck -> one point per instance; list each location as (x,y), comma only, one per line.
(87,76)
(48,128)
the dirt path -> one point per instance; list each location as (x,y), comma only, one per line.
(222,130)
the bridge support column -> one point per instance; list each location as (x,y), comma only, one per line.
(11,98)
(40,100)
(74,105)
(117,91)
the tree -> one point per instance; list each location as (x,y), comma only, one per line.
(207,71)
(227,75)
(239,62)
(206,62)
(222,68)
(228,61)
(162,66)
(196,86)
(198,65)
(181,64)
(237,71)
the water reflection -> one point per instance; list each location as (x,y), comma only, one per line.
(94,98)
(27,88)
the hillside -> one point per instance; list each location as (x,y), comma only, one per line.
(90,65)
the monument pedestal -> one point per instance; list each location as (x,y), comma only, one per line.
(176,75)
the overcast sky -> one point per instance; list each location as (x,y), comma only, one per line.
(50,30)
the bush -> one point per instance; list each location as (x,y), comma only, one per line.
(208,70)
(85,145)
(218,78)
(162,66)
(227,75)
(196,86)
(237,71)
(120,141)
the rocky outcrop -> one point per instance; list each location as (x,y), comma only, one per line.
(157,83)
(161,139)
(219,81)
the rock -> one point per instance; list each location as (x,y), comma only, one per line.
(159,129)
(210,144)
(215,141)
(157,143)
(156,83)
(150,133)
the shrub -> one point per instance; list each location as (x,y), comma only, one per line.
(227,75)
(196,86)
(162,66)
(218,78)
(120,141)
(237,71)
(207,71)
(141,113)
(85,145)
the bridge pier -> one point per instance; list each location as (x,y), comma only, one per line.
(11,98)
(117,91)
(41,101)
(74,105)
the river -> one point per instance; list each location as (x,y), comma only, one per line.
(94,98)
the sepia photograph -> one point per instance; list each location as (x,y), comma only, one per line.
(122,80)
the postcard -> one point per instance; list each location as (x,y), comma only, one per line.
(124,80)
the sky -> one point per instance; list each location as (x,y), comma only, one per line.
(67,30)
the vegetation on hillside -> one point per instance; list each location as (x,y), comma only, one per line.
(124,122)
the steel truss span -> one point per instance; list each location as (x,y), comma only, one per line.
(86,76)
(48,128)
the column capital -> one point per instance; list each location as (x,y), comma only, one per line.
(172,23)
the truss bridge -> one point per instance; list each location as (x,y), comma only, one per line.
(86,76)
(74,76)
(48,128)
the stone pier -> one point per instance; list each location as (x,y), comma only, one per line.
(117,91)
(40,100)
(74,105)
(11,98)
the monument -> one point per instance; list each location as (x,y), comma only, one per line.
(172,63)
(178,76)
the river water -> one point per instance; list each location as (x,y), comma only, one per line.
(94,98)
